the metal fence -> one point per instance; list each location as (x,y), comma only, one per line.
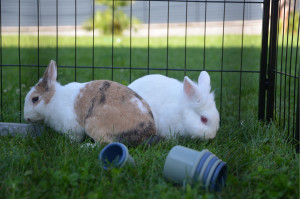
(279,74)
(271,68)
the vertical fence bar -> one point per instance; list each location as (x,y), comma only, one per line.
(297,111)
(19,54)
(185,35)
(112,40)
(204,44)
(297,120)
(272,61)
(38,39)
(285,71)
(290,71)
(1,74)
(93,50)
(56,33)
(263,61)
(281,64)
(75,65)
(222,61)
(130,42)
(241,66)
(276,74)
(168,27)
(295,86)
(148,66)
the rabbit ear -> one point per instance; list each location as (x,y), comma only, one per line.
(50,74)
(204,79)
(189,87)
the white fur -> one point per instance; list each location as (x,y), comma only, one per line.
(139,104)
(29,112)
(59,113)
(177,112)
(62,103)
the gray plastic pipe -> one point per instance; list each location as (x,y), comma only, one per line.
(187,166)
(13,129)
(115,155)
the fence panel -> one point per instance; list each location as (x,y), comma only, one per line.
(227,38)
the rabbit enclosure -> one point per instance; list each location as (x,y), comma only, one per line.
(250,49)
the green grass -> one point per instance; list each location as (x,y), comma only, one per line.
(261,158)
(262,164)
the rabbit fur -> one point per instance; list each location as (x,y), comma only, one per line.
(185,108)
(104,110)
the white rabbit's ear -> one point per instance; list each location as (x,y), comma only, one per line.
(189,87)
(204,79)
(50,74)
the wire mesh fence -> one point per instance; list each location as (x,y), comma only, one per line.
(286,99)
(170,37)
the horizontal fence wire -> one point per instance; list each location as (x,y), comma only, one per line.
(136,68)
(287,74)
(206,1)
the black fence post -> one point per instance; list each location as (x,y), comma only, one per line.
(1,75)
(1,67)
(272,61)
(263,61)
(297,121)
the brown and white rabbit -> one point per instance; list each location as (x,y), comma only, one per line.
(184,107)
(104,110)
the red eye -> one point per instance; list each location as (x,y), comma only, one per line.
(203,119)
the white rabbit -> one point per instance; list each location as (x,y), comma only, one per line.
(186,108)
(104,110)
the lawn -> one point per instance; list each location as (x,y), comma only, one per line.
(261,159)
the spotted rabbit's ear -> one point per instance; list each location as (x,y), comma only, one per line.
(204,80)
(50,74)
(189,87)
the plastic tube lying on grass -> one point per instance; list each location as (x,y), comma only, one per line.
(115,155)
(187,166)
(13,129)
(182,165)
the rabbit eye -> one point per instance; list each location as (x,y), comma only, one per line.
(35,99)
(203,119)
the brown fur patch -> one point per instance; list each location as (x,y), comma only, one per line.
(43,92)
(137,135)
(106,111)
